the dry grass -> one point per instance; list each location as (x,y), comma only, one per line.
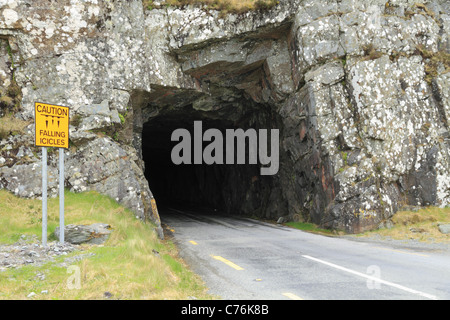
(421,225)
(224,6)
(10,125)
(434,60)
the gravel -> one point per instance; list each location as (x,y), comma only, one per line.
(29,251)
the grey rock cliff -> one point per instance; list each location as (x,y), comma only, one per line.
(359,90)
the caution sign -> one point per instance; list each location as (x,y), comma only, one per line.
(52,125)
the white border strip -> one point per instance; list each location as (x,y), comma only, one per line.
(422,294)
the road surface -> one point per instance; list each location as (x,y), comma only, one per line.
(245,259)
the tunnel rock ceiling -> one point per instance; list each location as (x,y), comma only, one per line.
(358,90)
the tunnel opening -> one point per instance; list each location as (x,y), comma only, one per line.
(224,188)
(239,83)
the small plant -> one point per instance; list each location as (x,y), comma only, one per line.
(370,53)
(433,60)
(75,120)
(122,118)
(344,61)
(344,157)
(148,4)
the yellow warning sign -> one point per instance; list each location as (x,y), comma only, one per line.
(52,125)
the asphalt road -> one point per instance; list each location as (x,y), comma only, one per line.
(245,259)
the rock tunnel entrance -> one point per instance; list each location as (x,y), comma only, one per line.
(241,83)
(224,188)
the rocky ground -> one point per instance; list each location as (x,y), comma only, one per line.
(28,250)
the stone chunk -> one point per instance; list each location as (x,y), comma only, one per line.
(444,228)
(101,109)
(96,233)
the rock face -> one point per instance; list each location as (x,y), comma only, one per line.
(358,89)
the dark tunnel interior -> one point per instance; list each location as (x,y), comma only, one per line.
(225,188)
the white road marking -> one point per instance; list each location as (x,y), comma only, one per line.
(391,284)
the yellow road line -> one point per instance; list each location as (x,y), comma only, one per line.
(227,262)
(193,242)
(291,296)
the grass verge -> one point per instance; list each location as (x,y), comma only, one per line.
(421,225)
(125,266)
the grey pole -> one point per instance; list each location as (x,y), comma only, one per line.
(61,195)
(44,196)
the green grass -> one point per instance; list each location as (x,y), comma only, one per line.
(125,265)
(309,227)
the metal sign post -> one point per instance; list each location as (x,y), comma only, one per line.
(61,195)
(44,196)
(52,130)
